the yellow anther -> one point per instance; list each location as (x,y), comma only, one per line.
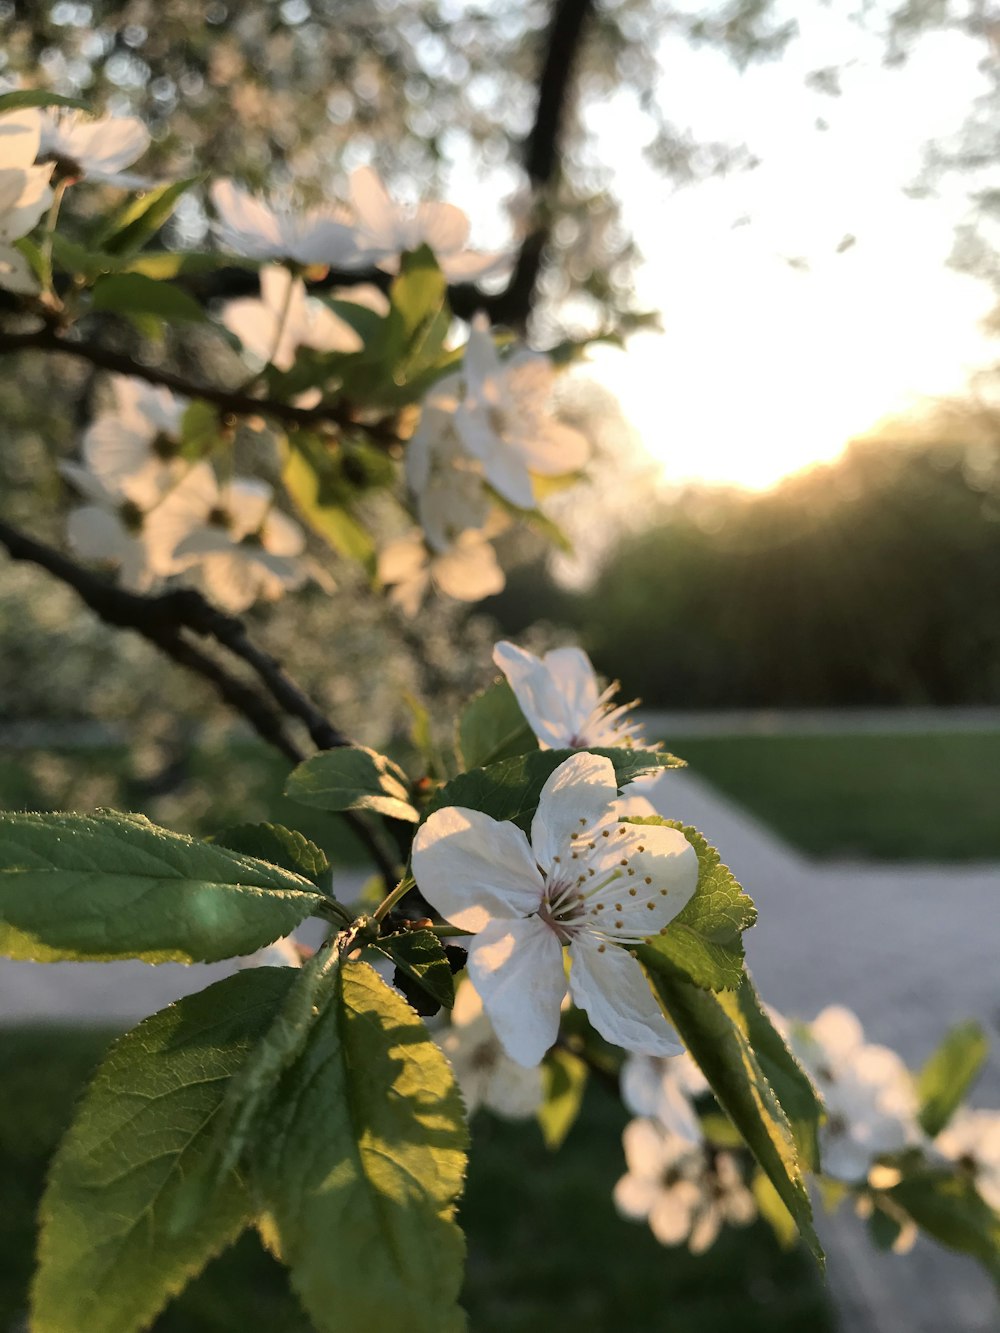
(600,948)
(649,879)
(619,925)
(631,871)
(651,904)
(606,833)
(664,892)
(631,893)
(623,862)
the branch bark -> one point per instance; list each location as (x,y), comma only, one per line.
(167,620)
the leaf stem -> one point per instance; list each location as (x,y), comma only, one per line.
(390,900)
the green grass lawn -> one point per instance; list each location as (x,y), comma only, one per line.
(930,797)
(546,1250)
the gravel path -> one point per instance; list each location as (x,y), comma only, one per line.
(911,949)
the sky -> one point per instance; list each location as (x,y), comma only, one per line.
(767,365)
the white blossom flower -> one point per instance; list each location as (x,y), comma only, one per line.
(682,1192)
(562,702)
(663,1088)
(282,953)
(504,418)
(448,485)
(134,522)
(284,318)
(141,434)
(25,194)
(248,225)
(486,1075)
(867,1090)
(467,570)
(243,548)
(94,149)
(386,230)
(584,881)
(972,1139)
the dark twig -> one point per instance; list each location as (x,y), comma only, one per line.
(230,400)
(166,620)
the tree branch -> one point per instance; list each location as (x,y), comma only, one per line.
(230,400)
(165,620)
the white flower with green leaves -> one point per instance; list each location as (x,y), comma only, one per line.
(25,194)
(467,570)
(584,883)
(868,1093)
(140,433)
(505,420)
(284,318)
(386,230)
(446,483)
(972,1140)
(562,701)
(486,1074)
(682,1192)
(97,149)
(262,229)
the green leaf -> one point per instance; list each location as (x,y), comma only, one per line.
(316,486)
(705,939)
(361,1166)
(492,727)
(715,1032)
(142,217)
(281,846)
(774,1212)
(420,954)
(200,429)
(135,294)
(949,1073)
(109,1260)
(88,262)
(352,778)
(166,264)
(948,1207)
(25,97)
(249,1094)
(564,1078)
(419,317)
(511,788)
(115,886)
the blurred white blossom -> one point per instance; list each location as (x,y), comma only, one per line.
(95,149)
(385,230)
(251,226)
(584,881)
(504,418)
(562,701)
(486,1075)
(664,1088)
(684,1193)
(284,318)
(467,570)
(972,1139)
(447,485)
(868,1092)
(282,953)
(25,194)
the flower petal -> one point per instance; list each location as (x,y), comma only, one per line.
(473,868)
(576,796)
(468,572)
(656,874)
(612,989)
(517,967)
(20,135)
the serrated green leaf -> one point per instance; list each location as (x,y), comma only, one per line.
(705,939)
(948,1207)
(492,727)
(321,496)
(115,886)
(715,1032)
(564,1077)
(510,790)
(135,294)
(420,954)
(361,1166)
(281,846)
(108,1260)
(27,97)
(142,217)
(352,778)
(774,1212)
(947,1076)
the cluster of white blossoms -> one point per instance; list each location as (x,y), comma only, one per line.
(685,1190)
(151,513)
(971,1140)
(485,1073)
(25,194)
(868,1092)
(485,433)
